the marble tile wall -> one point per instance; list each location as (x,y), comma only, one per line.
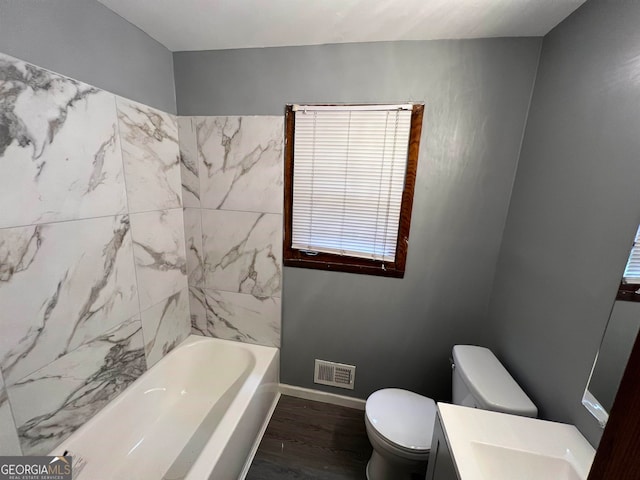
(232,184)
(93,268)
(9,443)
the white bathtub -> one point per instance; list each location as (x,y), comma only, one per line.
(195,416)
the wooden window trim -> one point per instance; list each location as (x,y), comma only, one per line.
(327,261)
(628,292)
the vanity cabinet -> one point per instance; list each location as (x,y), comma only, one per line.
(475,444)
(441,465)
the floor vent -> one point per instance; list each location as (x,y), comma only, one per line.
(334,374)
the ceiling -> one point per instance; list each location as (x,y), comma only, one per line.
(224,24)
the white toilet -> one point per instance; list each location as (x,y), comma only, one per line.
(400,423)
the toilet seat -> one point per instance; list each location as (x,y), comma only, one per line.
(402,418)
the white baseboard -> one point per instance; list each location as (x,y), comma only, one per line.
(325,397)
(256,443)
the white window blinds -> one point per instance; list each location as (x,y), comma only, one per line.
(632,270)
(348,178)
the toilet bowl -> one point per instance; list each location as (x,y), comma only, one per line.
(399,425)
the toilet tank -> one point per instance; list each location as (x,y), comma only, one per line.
(480,381)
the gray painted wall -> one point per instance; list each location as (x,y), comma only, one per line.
(86,41)
(397,332)
(574,208)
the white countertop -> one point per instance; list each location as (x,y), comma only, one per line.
(495,446)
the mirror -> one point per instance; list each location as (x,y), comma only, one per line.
(617,342)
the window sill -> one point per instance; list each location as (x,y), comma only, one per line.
(364,267)
(628,292)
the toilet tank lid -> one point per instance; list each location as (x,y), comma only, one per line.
(490,383)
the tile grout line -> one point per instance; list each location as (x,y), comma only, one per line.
(82,219)
(133,255)
(13,416)
(196,126)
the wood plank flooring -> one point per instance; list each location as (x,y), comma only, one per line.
(312,440)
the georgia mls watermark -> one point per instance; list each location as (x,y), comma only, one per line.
(35,468)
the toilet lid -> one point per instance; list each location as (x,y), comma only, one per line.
(402,417)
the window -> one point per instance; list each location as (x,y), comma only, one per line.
(630,285)
(349,178)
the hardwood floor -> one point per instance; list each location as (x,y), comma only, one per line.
(312,440)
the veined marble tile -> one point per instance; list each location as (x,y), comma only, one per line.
(165,325)
(158,247)
(60,155)
(243,252)
(235,316)
(151,157)
(189,162)
(197,311)
(9,443)
(241,163)
(193,236)
(50,404)
(61,285)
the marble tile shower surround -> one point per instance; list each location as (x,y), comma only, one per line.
(92,261)
(235,316)
(246,256)
(61,155)
(52,402)
(193,245)
(151,156)
(62,284)
(240,163)
(161,331)
(234,227)
(189,162)
(158,247)
(9,443)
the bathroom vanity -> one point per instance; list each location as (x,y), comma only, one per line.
(474,444)
(441,466)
